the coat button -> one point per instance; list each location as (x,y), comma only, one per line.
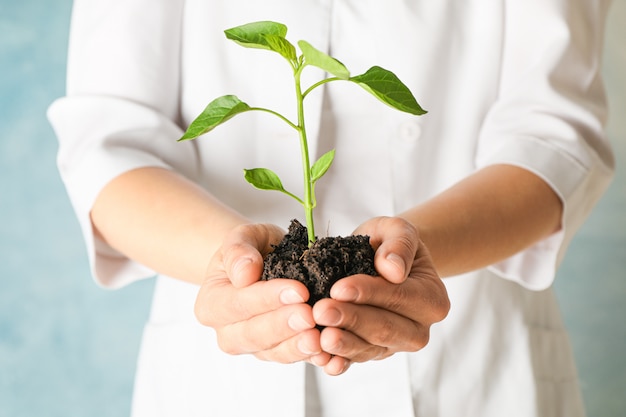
(410,131)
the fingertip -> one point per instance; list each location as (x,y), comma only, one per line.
(240,266)
(337,366)
(345,293)
(291,296)
(393,268)
(321,359)
(245,271)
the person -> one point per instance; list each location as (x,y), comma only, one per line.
(470,208)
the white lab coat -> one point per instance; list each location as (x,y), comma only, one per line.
(514,82)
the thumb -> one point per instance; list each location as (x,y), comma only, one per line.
(396,242)
(244,249)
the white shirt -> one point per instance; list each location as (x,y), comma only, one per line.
(509,82)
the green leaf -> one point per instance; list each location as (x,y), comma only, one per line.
(320,167)
(282,46)
(264,179)
(388,88)
(253,35)
(216,112)
(317,58)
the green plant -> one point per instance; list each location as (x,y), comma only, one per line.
(267,35)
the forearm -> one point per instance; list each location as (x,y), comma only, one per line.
(485,218)
(164,221)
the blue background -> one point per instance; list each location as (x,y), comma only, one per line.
(68,348)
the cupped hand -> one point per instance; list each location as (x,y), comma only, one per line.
(370,318)
(269,319)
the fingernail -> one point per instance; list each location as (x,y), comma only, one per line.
(347,294)
(318,359)
(331,317)
(240,265)
(290,296)
(298,323)
(397,260)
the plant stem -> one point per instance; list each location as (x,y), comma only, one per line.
(317,84)
(309,201)
(280,116)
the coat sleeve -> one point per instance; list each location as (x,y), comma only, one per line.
(120,110)
(549,118)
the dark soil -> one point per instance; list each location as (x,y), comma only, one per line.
(328,260)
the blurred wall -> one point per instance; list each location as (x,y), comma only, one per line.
(67,347)
(591,284)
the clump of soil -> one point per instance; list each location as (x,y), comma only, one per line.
(328,260)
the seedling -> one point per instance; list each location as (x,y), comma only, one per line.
(381,83)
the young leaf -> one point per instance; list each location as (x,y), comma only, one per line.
(282,46)
(317,58)
(216,112)
(388,88)
(320,167)
(252,35)
(264,179)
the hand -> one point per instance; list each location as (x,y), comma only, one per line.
(369,318)
(268,319)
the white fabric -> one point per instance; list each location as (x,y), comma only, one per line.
(509,82)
